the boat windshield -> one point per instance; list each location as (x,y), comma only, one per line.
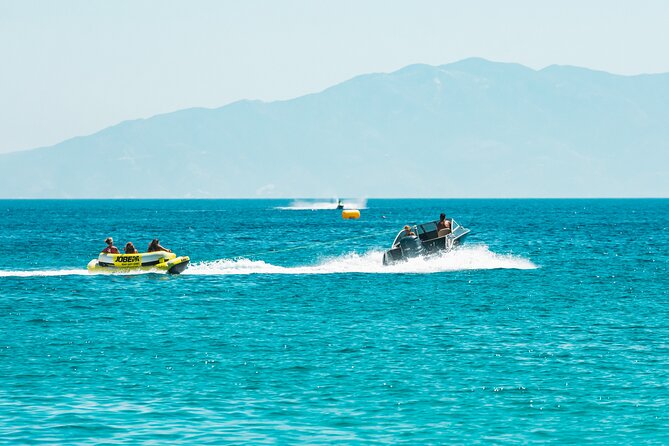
(457,230)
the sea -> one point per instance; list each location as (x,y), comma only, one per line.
(550,324)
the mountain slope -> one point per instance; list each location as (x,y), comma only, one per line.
(467,129)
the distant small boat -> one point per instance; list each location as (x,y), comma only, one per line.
(425,241)
(159,261)
(340,205)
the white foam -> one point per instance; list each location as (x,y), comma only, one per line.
(44,273)
(474,257)
(467,258)
(315,205)
(73,272)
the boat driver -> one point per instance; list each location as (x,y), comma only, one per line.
(443,226)
(408,231)
(110,249)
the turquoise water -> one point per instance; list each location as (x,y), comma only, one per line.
(550,324)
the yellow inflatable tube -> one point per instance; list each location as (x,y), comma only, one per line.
(159,261)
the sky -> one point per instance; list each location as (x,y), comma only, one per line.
(72,68)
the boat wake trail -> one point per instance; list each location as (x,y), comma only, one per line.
(466,258)
(74,272)
(315,205)
(477,257)
(45,273)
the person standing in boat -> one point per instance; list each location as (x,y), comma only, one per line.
(110,249)
(443,225)
(155,246)
(130,248)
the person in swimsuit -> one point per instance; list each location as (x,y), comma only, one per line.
(443,225)
(130,248)
(155,246)
(110,249)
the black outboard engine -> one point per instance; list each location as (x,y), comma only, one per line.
(411,246)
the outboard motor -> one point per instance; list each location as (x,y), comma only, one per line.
(411,246)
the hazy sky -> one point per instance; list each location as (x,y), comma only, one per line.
(71,68)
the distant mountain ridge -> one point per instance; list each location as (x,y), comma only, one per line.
(472,128)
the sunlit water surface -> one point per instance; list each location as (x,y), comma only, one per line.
(549,324)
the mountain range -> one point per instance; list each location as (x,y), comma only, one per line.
(473,128)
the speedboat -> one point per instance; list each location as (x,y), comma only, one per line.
(424,240)
(159,261)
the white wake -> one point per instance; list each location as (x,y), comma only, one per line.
(315,205)
(477,257)
(45,273)
(469,258)
(76,272)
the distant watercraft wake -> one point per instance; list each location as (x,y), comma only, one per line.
(319,205)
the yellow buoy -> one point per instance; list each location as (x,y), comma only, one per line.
(348,214)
